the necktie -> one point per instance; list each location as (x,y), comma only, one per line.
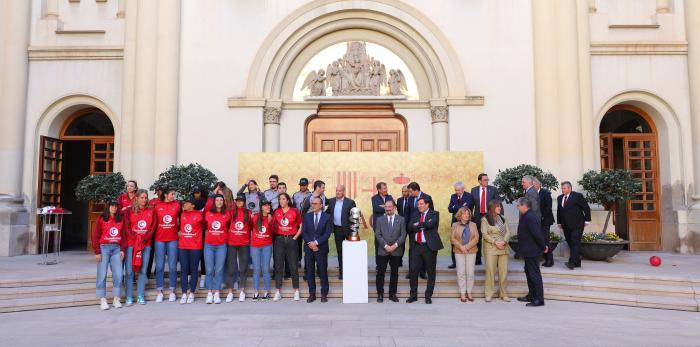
(566,197)
(482,201)
(315,220)
(391,221)
(404,205)
(419,236)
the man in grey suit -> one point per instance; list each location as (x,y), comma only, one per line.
(482,195)
(390,235)
(528,183)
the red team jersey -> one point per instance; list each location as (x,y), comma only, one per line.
(286,223)
(108,232)
(191,224)
(261,237)
(141,226)
(217,226)
(166,214)
(239,231)
(125,203)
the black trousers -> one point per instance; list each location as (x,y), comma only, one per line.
(419,256)
(535,288)
(382,261)
(573,239)
(149,272)
(316,263)
(478,244)
(285,249)
(545,233)
(237,265)
(339,236)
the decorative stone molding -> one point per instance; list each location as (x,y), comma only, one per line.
(439,114)
(639,48)
(76,53)
(271,115)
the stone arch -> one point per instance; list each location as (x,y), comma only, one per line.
(409,34)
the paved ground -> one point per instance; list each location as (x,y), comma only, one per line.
(287,323)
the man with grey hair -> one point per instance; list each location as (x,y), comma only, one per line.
(530,193)
(530,246)
(458,200)
(545,202)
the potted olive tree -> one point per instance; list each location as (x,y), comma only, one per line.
(607,188)
(184,178)
(508,183)
(99,189)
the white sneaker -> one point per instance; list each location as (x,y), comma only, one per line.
(296,296)
(201,281)
(183,299)
(172,297)
(229,297)
(241,297)
(210,298)
(103,304)
(278,296)
(117,303)
(190,298)
(159,297)
(217,299)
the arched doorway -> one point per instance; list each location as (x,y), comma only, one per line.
(85,146)
(356,128)
(629,140)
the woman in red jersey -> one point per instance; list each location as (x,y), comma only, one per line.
(215,247)
(238,248)
(190,245)
(126,200)
(141,224)
(109,243)
(287,224)
(167,214)
(261,248)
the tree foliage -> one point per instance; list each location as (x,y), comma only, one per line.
(608,187)
(509,184)
(184,177)
(100,188)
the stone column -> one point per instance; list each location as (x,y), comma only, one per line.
(546,92)
(692,29)
(51,9)
(440,117)
(124,145)
(663,6)
(13,93)
(167,91)
(14,66)
(271,123)
(588,141)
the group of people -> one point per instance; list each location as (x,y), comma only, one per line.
(223,232)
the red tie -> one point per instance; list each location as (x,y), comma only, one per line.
(483,201)
(419,236)
(566,197)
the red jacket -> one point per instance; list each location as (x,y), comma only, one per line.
(191,227)
(154,202)
(239,231)
(286,223)
(140,226)
(108,232)
(261,237)
(217,226)
(167,214)
(125,203)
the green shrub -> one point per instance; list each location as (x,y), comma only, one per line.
(100,188)
(509,184)
(184,177)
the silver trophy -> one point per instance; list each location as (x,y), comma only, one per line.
(355,215)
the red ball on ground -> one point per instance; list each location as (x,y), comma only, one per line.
(654,260)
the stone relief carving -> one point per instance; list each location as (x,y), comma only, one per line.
(439,114)
(271,115)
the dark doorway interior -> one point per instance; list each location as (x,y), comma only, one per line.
(76,165)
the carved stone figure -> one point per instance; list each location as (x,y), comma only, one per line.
(397,82)
(316,83)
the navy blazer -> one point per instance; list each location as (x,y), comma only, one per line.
(491,193)
(546,207)
(414,209)
(576,212)
(430,227)
(455,204)
(405,213)
(320,233)
(378,211)
(530,238)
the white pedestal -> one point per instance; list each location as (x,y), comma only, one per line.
(355,284)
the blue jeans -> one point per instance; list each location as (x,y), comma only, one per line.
(214,259)
(261,262)
(143,279)
(169,247)
(110,258)
(189,266)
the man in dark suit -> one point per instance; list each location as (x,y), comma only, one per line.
(547,219)
(415,194)
(316,229)
(339,210)
(573,214)
(530,246)
(425,244)
(403,208)
(390,235)
(482,195)
(530,193)
(378,202)
(458,200)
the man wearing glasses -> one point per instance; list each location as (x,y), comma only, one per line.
(481,195)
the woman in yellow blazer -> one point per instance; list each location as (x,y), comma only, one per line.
(464,239)
(495,235)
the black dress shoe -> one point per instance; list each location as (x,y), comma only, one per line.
(422,275)
(324,298)
(312,298)
(393,298)
(380,297)
(569,265)
(477,262)
(408,276)
(428,301)
(525,299)
(548,263)
(452,266)
(535,303)
(411,299)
